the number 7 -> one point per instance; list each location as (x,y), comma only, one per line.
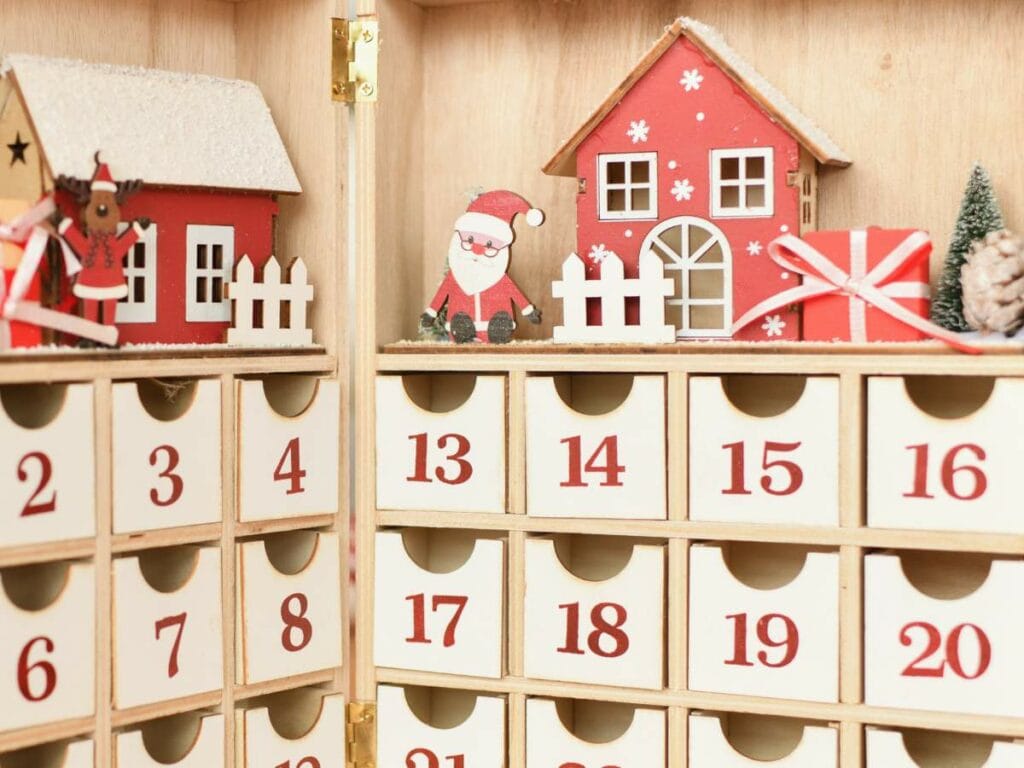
(161,625)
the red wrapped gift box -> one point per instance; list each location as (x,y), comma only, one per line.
(846,316)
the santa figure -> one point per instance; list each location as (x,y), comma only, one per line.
(479,293)
(101,282)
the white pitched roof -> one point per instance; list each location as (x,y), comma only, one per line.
(166,128)
(713,45)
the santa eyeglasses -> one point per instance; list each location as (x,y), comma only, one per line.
(481,245)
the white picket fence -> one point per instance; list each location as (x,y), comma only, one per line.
(245,292)
(651,288)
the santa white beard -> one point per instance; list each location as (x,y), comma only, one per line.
(475,274)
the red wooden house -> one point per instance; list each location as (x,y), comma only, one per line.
(211,159)
(697,158)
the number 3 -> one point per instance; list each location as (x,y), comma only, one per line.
(177,484)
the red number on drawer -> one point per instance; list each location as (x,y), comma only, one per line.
(791,641)
(293,476)
(34,506)
(295,620)
(948,472)
(581,765)
(419,617)
(306,762)
(602,628)
(171,621)
(177,484)
(458,457)
(47,670)
(933,644)
(794,476)
(431,760)
(611,469)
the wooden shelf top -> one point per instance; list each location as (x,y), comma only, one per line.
(190,362)
(712,357)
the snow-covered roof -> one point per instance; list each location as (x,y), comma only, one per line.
(166,128)
(713,45)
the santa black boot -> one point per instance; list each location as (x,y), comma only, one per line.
(499,329)
(463,329)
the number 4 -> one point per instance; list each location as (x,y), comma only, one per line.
(294,474)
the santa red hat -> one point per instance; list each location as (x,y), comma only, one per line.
(492,213)
(101,178)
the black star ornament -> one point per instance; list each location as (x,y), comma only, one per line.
(18,150)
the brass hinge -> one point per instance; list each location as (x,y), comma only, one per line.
(354,59)
(361,734)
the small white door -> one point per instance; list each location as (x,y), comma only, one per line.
(697,256)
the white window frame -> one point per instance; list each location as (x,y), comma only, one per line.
(208,235)
(742,211)
(129,310)
(604,186)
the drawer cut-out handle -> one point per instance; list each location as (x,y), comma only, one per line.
(949,397)
(594,394)
(167,399)
(35,587)
(763,395)
(439,392)
(33,406)
(290,394)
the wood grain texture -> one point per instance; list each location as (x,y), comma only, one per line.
(901,86)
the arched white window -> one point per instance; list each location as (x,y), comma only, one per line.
(698,257)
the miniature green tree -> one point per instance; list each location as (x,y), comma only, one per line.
(979,215)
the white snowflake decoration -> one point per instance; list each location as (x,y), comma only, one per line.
(691,80)
(754,248)
(773,325)
(638,131)
(682,190)
(598,253)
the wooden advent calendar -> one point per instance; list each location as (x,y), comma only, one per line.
(703,555)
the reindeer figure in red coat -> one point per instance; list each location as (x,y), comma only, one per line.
(101,282)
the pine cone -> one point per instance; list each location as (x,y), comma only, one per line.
(993,283)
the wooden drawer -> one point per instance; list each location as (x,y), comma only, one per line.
(288,445)
(592,733)
(47,613)
(299,729)
(595,611)
(439,602)
(766,621)
(71,754)
(595,446)
(167,625)
(945,453)
(929,749)
(420,726)
(938,634)
(441,443)
(166,460)
(47,471)
(289,604)
(764,449)
(184,741)
(735,741)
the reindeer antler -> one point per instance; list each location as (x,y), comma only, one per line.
(79,188)
(127,188)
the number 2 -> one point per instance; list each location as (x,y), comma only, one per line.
(161,625)
(34,506)
(293,476)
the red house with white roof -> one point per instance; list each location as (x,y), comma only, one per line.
(208,151)
(697,158)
